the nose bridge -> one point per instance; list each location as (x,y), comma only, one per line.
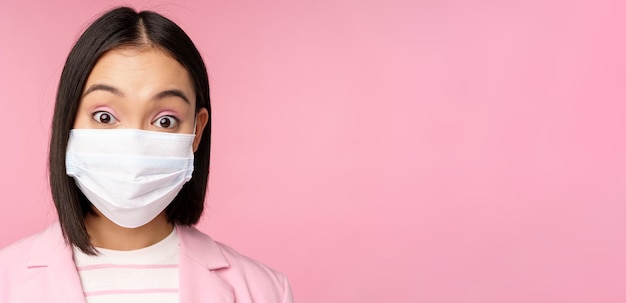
(140,124)
(136,115)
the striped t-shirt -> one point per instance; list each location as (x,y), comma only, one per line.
(144,275)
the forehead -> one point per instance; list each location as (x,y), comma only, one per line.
(141,71)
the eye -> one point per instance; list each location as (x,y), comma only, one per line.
(104,117)
(166,122)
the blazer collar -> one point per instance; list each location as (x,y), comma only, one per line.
(56,279)
(200,261)
(54,274)
(48,246)
(200,248)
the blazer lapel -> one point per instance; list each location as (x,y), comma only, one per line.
(200,257)
(54,275)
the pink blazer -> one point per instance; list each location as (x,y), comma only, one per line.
(41,269)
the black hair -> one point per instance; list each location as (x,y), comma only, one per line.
(118,28)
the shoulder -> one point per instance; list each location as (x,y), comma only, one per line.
(240,271)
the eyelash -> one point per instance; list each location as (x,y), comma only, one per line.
(98,114)
(160,118)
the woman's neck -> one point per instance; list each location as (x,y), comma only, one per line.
(106,234)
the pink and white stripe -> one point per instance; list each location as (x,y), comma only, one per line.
(145,275)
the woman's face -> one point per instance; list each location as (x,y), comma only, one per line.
(142,89)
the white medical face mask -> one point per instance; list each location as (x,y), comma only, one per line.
(129,175)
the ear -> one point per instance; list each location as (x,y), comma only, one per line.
(202,118)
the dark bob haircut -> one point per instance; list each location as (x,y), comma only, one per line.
(123,28)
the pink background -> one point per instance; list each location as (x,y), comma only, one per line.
(380,151)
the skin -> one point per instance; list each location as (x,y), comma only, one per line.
(140,88)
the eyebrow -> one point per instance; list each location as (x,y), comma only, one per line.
(171,93)
(162,95)
(104,87)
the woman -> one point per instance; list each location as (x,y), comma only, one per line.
(129,159)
